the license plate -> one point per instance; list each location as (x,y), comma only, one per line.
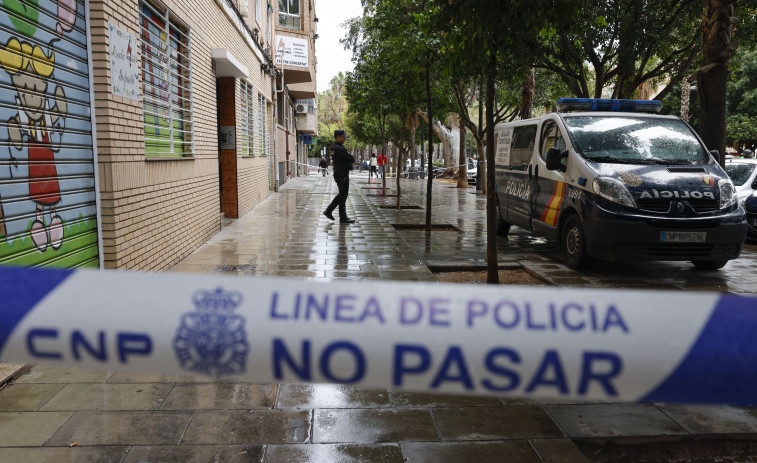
(683,237)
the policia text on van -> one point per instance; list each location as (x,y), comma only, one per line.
(616,182)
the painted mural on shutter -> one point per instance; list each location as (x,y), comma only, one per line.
(48,214)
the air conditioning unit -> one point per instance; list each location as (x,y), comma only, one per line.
(244,8)
(302,109)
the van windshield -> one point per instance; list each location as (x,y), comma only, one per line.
(635,140)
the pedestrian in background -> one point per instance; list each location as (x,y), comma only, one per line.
(324,165)
(342,161)
(382,164)
(374,163)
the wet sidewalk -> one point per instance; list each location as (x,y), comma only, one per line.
(54,415)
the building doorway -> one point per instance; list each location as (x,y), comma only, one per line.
(227,150)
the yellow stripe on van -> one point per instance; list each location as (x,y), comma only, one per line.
(553,207)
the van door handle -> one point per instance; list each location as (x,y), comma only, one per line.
(530,172)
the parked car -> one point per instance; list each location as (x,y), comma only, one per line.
(750,205)
(609,179)
(743,174)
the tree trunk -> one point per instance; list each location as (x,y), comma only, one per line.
(491,209)
(429,183)
(527,95)
(399,163)
(448,136)
(462,172)
(685,98)
(713,77)
(481,169)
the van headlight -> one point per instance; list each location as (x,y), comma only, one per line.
(727,193)
(614,190)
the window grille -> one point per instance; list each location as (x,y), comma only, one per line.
(247,118)
(166,84)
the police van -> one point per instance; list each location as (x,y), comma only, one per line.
(613,180)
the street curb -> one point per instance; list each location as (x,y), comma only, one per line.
(14,370)
(537,275)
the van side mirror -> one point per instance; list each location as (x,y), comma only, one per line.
(715,154)
(555,159)
(754,185)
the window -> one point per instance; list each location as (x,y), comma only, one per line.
(263,132)
(551,137)
(522,146)
(258,12)
(166,84)
(247,119)
(289,14)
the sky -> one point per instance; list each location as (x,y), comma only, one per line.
(332,57)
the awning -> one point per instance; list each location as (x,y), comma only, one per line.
(227,65)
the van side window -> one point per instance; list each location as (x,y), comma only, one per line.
(551,136)
(522,146)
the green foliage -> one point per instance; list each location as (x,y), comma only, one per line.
(622,43)
(742,129)
(742,89)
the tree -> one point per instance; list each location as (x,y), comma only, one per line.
(392,57)
(494,39)
(621,44)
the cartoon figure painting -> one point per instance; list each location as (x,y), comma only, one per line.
(48,207)
(37,128)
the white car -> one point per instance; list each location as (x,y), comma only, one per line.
(743,173)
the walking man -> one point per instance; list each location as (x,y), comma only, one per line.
(324,165)
(342,161)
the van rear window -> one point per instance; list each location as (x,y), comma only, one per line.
(522,146)
(635,140)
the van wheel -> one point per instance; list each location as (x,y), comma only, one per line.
(709,264)
(574,244)
(503,228)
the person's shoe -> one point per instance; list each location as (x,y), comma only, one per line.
(346,220)
(328,214)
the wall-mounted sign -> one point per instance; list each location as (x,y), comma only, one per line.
(124,70)
(227,139)
(295,51)
(307,139)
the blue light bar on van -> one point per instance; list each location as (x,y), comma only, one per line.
(593,104)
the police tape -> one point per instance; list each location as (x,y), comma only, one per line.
(507,341)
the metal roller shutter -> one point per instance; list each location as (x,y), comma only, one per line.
(48,211)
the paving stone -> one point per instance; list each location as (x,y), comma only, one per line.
(26,397)
(48,374)
(372,425)
(219,396)
(109,397)
(557,451)
(248,427)
(336,453)
(196,454)
(475,452)
(492,423)
(416,400)
(122,428)
(709,419)
(29,429)
(149,378)
(613,420)
(63,454)
(310,396)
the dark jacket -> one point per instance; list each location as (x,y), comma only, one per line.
(342,160)
(324,163)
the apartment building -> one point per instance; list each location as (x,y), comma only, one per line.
(131,127)
(297,117)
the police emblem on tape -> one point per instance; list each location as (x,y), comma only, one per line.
(212,340)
